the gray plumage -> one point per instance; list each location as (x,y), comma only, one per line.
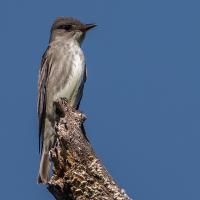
(62,75)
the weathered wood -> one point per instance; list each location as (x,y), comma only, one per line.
(77,172)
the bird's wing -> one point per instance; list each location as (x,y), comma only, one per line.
(41,102)
(80,93)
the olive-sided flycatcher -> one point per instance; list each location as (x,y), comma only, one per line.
(62,75)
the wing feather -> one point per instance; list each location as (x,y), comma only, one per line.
(41,102)
(80,92)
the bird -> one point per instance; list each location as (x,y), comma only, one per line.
(62,74)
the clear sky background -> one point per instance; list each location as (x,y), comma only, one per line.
(142,96)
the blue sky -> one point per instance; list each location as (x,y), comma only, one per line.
(142,96)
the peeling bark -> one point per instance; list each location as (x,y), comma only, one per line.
(77,172)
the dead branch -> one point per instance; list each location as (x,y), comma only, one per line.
(77,172)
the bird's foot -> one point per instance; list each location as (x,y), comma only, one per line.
(64,99)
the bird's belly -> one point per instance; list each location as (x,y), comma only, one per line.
(72,83)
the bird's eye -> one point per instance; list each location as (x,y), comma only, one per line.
(66,27)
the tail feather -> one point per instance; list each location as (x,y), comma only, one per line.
(45,164)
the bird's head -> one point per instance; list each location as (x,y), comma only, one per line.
(68,28)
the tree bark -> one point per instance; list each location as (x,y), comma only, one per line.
(77,172)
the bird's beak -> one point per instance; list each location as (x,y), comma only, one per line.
(87,27)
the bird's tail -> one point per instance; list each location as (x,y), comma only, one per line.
(43,176)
